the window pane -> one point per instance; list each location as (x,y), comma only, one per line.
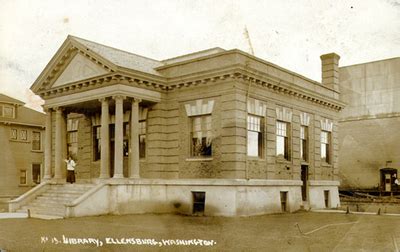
(23,135)
(323,151)
(281,128)
(201,136)
(13,133)
(280,145)
(36,173)
(22,177)
(36,141)
(252,143)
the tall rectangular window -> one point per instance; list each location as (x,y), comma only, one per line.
(325,146)
(1,110)
(13,134)
(96,143)
(304,143)
(22,177)
(72,136)
(254,136)
(36,173)
(282,140)
(142,138)
(201,136)
(36,141)
(23,135)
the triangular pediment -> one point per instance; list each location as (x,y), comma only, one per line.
(79,68)
(72,62)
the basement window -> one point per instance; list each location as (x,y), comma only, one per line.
(284,202)
(199,201)
(326,198)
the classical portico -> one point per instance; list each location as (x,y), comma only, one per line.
(122,105)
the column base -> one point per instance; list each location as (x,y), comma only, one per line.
(118,176)
(58,180)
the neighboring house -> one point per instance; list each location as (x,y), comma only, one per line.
(369,128)
(21,147)
(218,132)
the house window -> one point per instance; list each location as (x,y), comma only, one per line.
(304,143)
(282,140)
(13,134)
(325,146)
(254,136)
(22,177)
(1,110)
(8,111)
(142,138)
(201,137)
(36,143)
(284,201)
(72,137)
(96,143)
(36,173)
(23,135)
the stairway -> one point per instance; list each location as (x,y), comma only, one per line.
(52,201)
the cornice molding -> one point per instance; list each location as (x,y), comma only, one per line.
(268,83)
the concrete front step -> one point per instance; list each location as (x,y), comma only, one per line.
(43,210)
(44,199)
(52,201)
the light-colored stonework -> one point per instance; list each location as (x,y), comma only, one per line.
(369,135)
(21,147)
(211,92)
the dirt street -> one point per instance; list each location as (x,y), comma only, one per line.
(280,232)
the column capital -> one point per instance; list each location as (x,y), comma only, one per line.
(136,100)
(103,99)
(119,97)
(47,110)
(58,109)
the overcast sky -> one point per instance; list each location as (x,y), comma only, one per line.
(292,34)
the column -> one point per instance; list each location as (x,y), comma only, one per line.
(47,148)
(119,137)
(105,140)
(134,154)
(58,145)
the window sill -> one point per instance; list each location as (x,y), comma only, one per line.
(326,165)
(283,161)
(23,185)
(37,151)
(251,158)
(19,141)
(200,159)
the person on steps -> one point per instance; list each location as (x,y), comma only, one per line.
(70,170)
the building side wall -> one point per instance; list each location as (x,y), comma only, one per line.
(368,127)
(17,155)
(366,146)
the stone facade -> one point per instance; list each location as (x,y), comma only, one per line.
(369,139)
(200,110)
(21,147)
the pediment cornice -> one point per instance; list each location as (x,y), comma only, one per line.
(60,61)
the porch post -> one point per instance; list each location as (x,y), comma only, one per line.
(48,147)
(134,155)
(58,145)
(104,140)
(119,137)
